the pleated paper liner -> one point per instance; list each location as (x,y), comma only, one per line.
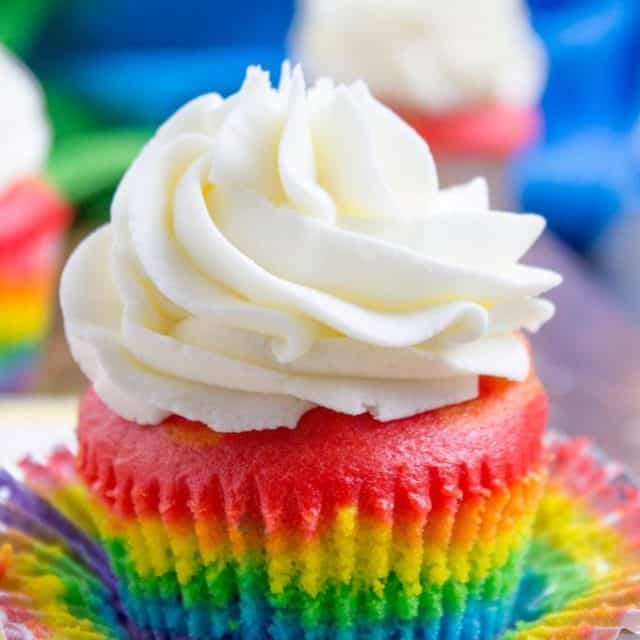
(451,537)
(456,566)
(55,581)
(582,579)
(339,528)
(33,218)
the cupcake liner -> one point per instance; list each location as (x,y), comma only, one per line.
(351,577)
(444,595)
(32,222)
(31,514)
(54,581)
(315,532)
(582,578)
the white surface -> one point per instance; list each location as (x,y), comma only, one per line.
(34,425)
(291,247)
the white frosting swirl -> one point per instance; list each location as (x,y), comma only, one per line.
(435,55)
(289,248)
(24,129)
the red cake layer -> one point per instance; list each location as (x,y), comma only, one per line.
(30,209)
(495,130)
(31,263)
(404,467)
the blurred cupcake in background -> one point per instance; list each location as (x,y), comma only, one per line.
(95,60)
(76,128)
(25,128)
(466,75)
(33,217)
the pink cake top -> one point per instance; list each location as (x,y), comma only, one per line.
(28,208)
(183,465)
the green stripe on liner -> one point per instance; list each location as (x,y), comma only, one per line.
(84,596)
(341,604)
(552,580)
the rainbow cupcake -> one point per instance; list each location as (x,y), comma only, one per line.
(466,75)
(340,528)
(580,579)
(33,217)
(313,414)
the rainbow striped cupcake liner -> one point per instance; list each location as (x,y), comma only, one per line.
(69,570)
(55,581)
(583,571)
(442,573)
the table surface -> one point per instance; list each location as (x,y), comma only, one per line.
(589,358)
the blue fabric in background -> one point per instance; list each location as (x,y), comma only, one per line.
(583,173)
(139,60)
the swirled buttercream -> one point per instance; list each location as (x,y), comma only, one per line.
(24,130)
(287,248)
(435,55)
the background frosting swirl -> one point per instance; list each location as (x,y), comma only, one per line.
(24,129)
(287,248)
(435,55)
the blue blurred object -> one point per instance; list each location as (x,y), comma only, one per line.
(140,60)
(583,173)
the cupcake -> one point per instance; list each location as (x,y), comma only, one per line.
(312,412)
(466,75)
(580,581)
(32,219)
